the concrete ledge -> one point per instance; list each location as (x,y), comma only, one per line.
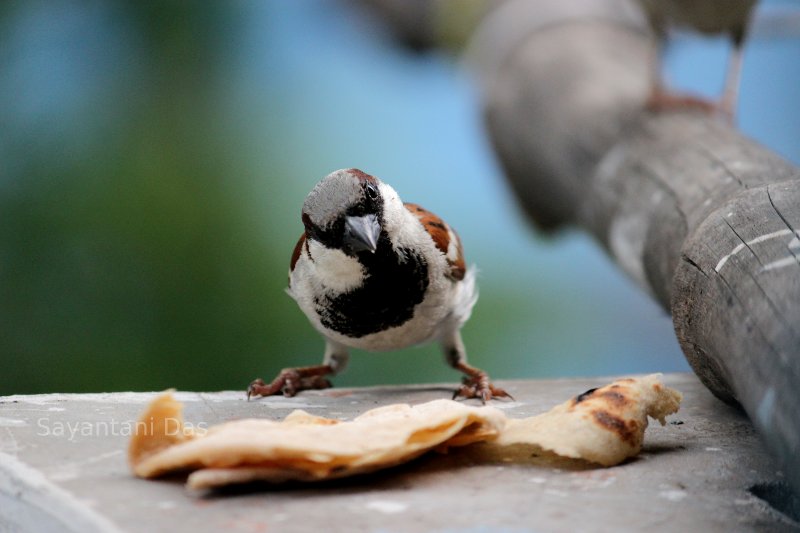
(63,467)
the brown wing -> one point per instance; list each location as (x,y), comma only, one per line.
(302,244)
(442,236)
(298,249)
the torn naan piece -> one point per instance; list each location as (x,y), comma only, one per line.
(603,426)
(306,447)
(158,428)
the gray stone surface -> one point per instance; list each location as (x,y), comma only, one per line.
(63,468)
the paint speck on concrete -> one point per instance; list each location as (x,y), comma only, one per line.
(508,405)
(12,422)
(387,506)
(673,495)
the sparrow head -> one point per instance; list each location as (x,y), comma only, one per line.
(345,211)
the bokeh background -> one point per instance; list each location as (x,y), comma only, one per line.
(154,157)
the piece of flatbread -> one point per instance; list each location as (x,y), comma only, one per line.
(603,426)
(303,446)
(158,428)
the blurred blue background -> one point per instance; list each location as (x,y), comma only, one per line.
(154,157)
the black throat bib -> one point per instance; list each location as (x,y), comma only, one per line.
(395,283)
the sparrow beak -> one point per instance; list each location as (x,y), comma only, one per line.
(361,233)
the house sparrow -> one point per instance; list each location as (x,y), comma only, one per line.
(373,273)
(706,16)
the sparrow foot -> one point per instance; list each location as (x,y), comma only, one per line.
(476,388)
(290,381)
(476,384)
(662,100)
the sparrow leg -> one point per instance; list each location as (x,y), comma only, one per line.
(290,381)
(476,383)
(730,95)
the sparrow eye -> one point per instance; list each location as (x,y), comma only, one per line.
(372,192)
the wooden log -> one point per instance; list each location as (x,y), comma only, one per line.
(704,219)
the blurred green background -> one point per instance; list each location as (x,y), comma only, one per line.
(154,157)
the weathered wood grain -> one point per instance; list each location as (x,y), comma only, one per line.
(735,308)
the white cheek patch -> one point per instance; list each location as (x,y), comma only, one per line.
(452,246)
(334,269)
(398,221)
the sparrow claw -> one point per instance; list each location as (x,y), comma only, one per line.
(290,381)
(480,387)
(258,388)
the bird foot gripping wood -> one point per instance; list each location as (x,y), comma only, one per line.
(290,381)
(663,100)
(476,384)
